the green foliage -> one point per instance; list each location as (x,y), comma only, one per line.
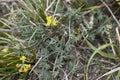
(8,65)
(55,52)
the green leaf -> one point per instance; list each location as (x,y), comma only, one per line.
(98,50)
(104,54)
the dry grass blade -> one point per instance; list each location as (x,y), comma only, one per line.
(111,13)
(36,64)
(118,35)
(7,0)
(112,71)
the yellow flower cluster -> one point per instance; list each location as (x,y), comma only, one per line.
(51,21)
(23,58)
(23,67)
(118,2)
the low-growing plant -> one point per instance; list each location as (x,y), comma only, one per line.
(51,39)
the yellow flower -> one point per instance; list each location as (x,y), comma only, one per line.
(21,70)
(24,68)
(18,65)
(51,21)
(28,66)
(54,23)
(23,58)
(5,50)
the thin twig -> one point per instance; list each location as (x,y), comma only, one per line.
(9,31)
(69,32)
(35,65)
(25,6)
(5,30)
(113,18)
(113,49)
(56,7)
(66,76)
(50,6)
(112,71)
(7,1)
(111,13)
(55,63)
(32,35)
(118,35)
